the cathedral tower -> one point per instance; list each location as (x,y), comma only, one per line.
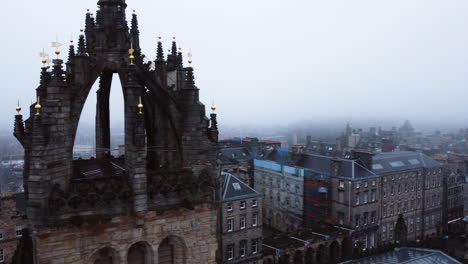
(155,204)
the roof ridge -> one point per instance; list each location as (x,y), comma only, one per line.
(242,182)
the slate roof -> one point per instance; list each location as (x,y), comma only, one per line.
(98,168)
(408,256)
(401,160)
(235,189)
(385,162)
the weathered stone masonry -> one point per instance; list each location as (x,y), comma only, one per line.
(157,203)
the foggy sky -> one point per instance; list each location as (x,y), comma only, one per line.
(274,62)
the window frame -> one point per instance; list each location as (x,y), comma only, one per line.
(230,224)
(254,244)
(242,205)
(230,252)
(19,230)
(254,219)
(229,207)
(242,247)
(242,222)
(254,203)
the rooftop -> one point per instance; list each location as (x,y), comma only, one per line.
(235,189)
(409,256)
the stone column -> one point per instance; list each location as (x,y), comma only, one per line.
(102,116)
(135,139)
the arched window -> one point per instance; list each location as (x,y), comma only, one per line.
(172,251)
(139,253)
(105,256)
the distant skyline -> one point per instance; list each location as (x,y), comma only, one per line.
(276,62)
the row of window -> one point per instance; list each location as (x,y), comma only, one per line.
(358,185)
(402,175)
(365,197)
(242,222)
(242,205)
(401,187)
(400,207)
(243,251)
(413,223)
(288,187)
(18,230)
(365,219)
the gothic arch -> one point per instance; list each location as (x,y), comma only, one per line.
(321,254)
(298,257)
(284,259)
(106,255)
(309,257)
(172,250)
(140,253)
(346,248)
(334,252)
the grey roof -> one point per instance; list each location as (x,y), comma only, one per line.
(322,164)
(408,256)
(239,153)
(385,162)
(235,189)
(401,160)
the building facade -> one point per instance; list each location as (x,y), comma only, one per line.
(157,203)
(242,222)
(12,223)
(283,187)
(365,193)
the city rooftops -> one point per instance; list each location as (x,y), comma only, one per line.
(407,256)
(402,160)
(382,163)
(235,189)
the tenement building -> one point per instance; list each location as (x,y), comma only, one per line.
(242,235)
(155,204)
(282,186)
(366,193)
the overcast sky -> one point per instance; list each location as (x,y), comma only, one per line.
(275,61)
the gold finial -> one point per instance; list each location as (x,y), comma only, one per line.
(213,107)
(18,108)
(190,58)
(140,106)
(44,57)
(38,106)
(131,51)
(56,44)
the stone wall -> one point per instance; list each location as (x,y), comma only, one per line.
(8,223)
(191,233)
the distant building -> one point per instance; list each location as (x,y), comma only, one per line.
(455,171)
(238,161)
(241,225)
